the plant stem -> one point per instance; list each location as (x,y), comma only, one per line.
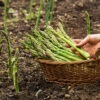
(83,53)
(0,43)
(15,71)
(49,10)
(88,23)
(8,40)
(30,10)
(39,13)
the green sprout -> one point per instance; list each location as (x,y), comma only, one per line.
(7,39)
(30,16)
(12,61)
(0,43)
(38,14)
(88,22)
(49,10)
(15,71)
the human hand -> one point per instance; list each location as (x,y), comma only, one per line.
(91,44)
(91,39)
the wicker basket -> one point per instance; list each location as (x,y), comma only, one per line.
(71,73)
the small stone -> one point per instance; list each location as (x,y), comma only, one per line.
(11,88)
(38,92)
(10,95)
(98,97)
(91,0)
(67,95)
(15,14)
(80,4)
(71,91)
(55,93)
(76,98)
(26,21)
(64,89)
(61,95)
(48,97)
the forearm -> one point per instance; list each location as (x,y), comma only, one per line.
(94,38)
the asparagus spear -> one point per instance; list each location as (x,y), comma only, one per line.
(30,48)
(49,43)
(56,57)
(83,53)
(61,52)
(54,41)
(61,29)
(57,50)
(36,44)
(52,55)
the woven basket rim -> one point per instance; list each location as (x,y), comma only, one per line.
(56,62)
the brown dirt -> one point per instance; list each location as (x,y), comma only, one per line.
(31,81)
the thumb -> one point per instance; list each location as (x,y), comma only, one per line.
(83,42)
(77,41)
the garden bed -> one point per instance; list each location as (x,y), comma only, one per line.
(31,81)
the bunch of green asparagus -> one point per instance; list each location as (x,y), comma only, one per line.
(50,44)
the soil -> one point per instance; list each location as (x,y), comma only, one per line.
(32,83)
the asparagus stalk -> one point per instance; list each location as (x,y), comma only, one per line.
(28,48)
(56,44)
(61,29)
(56,57)
(52,55)
(49,43)
(83,53)
(61,52)
(54,41)
(37,45)
(57,50)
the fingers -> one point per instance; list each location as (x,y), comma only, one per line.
(67,45)
(77,40)
(80,42)
(83,42)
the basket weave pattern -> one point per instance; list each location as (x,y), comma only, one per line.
(71,73)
